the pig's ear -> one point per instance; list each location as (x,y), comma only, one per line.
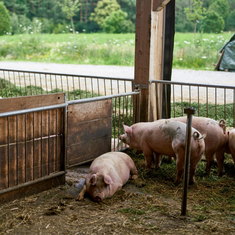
(93,179)
(107,179)
(127,129)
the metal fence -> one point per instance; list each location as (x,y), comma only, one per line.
(32,146)
(213,101)
(14,83)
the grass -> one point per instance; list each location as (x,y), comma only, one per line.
(108,49)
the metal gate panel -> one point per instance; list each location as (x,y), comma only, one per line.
(31,145)
(89,131)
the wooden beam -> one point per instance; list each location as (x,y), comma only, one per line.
(142,52)
(148,55)
(158,5)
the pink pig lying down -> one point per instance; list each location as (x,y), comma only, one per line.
(216,138)
(108,173)
(164,137)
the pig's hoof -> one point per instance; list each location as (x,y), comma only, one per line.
(79,198)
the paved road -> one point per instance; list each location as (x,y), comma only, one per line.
(205,77)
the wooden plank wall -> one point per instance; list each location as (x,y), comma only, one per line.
(89,131)
(30,144)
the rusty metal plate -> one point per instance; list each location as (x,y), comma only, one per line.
(89,131)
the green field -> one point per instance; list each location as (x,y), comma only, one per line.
(108,49)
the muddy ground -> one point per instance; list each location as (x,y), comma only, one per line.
(150,205)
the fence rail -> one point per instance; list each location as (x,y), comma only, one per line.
(214,101)
(14,83)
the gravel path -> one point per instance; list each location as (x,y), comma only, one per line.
(179,75)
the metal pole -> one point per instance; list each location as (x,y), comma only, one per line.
(189,112)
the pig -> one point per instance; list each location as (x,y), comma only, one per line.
(107,174)
(165,137)
(216,139)
(231,144)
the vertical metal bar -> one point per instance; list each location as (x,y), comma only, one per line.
(5,84)
(63,165)
(56,85)
(80,91)
(25,147)
(41,82)
(51,83)
(46,84)
(1,87)
(35,81)
(173,91)
(41,142)
(125,86)
(20,84)
(207,114)
(233,108)
(14,83)
(98,84)
(198,102)
(30,85)
(86,87)
(9,78)
(114,122)
(189,112)
(62,83)
(111,81)
(190,96)
(225,108)
(118,83)
(92,89)
(119,120)
(131,111)
(182,105)
(68,87)
(8,148)
(215,103)
(56,156)
(104,87)
(33,145)
(49,127)
(17,151)
(25,85)
(74,95)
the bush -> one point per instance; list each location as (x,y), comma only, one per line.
(213,23)
(4,19)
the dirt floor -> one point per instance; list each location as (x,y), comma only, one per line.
(150,205)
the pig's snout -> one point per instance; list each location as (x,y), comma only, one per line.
(97,198)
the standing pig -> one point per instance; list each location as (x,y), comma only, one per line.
(108,173)
(216,138)
(164,137)
(231,144)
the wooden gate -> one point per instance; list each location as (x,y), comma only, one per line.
(89,130)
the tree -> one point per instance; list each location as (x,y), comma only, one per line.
(70,7)
(221,7)
(4,19)
(213,23)
(103,9)
(231,21)
(117,22)
(195,13)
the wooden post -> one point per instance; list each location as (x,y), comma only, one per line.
(148,54)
